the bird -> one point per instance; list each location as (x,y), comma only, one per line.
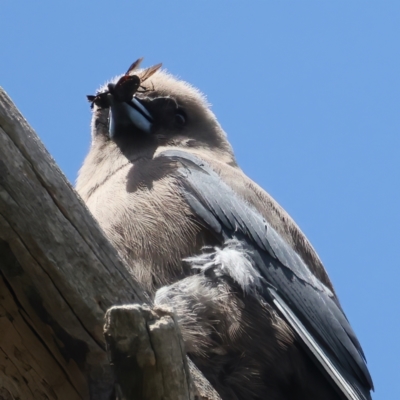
(257,310)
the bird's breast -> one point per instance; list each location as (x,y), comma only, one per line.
(144,216)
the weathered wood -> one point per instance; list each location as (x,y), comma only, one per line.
(147,352)
(58,276)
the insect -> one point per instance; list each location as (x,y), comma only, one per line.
(126,87)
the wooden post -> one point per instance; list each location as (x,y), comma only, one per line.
(147,352)
(58,277)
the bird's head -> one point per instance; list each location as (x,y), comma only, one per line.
(162,112)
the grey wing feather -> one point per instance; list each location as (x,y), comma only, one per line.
(307,305)
(314,347)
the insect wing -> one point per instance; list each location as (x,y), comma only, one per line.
(147,73)
(134,66)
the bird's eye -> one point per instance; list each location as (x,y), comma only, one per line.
(180,118)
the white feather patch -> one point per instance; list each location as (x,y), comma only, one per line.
(232,260)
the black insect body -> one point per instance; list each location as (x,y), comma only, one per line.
(126,87)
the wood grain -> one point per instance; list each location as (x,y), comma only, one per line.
(58,277)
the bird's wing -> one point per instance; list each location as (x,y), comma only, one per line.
(307,305)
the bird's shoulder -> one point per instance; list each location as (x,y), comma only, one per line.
(261,201)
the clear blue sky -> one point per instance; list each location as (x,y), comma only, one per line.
(308,92)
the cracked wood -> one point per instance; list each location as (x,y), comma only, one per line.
(58,276)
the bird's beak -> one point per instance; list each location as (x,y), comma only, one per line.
(125,115)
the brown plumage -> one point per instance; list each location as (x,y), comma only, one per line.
(238,338)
